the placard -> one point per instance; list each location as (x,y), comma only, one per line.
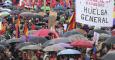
(95,12)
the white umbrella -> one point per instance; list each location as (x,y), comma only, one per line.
(69,52)
(31,47)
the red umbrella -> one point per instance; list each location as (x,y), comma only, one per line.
(82,44)
(44,33)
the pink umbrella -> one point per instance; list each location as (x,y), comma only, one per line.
(82,44)
(44,33)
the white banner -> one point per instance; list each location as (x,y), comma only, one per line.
(95,12)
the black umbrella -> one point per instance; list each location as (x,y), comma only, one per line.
(2,48)
(109,56)
(56,41)
(110,40)
(34,39)
(69,33)
(20,45)
(98,31)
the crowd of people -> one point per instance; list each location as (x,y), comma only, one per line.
(9,51)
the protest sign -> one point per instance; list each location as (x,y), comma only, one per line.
(95,12)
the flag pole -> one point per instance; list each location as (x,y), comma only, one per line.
(44,6)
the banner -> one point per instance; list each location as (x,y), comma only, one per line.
(95,12)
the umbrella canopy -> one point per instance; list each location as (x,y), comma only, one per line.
(47,8)
(103,37)
(2,48)
(110,40)
(69,52)
(81,31)
(109,56)
(14,40)
(31,31)
(27,14)
(98,31)
(15,12)
(31,47)
(56,41)
(53,48)
(4,9)
(34,39)
(42,13)
(20,45)
(82,44)
(77,37)
(69,33)
(44,33)
(4,14)
(65,45)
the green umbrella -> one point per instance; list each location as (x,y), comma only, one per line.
(47,8)
(4,14)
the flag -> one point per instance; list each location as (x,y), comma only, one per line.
(94,52)
(61,2)
(72,22)
(17,27)
(26,31)
(53,3)
(47,1)
(39,3)
(67,3)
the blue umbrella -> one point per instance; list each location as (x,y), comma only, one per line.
(69,52)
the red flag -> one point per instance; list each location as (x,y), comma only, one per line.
(26,31)
(17,27)
(39,3)
(53,3)
(14,2)
(62,2)
(47,1)
(72,23)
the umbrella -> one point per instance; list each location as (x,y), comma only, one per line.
(110,40)
(14,40)
(20,45)
(69,33)
(42,13)
(81,31)
(47,8)
(65,45)
(53,48)
(2,48)
(56,41)
(44,33)
(82,44)
(15,12)
(98,31)
(69,52)
(34,39)
(109,56)
(77,37)
(31,47)
(31,31)
(27,14)
(103,37)
(4,14)
(4,9)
